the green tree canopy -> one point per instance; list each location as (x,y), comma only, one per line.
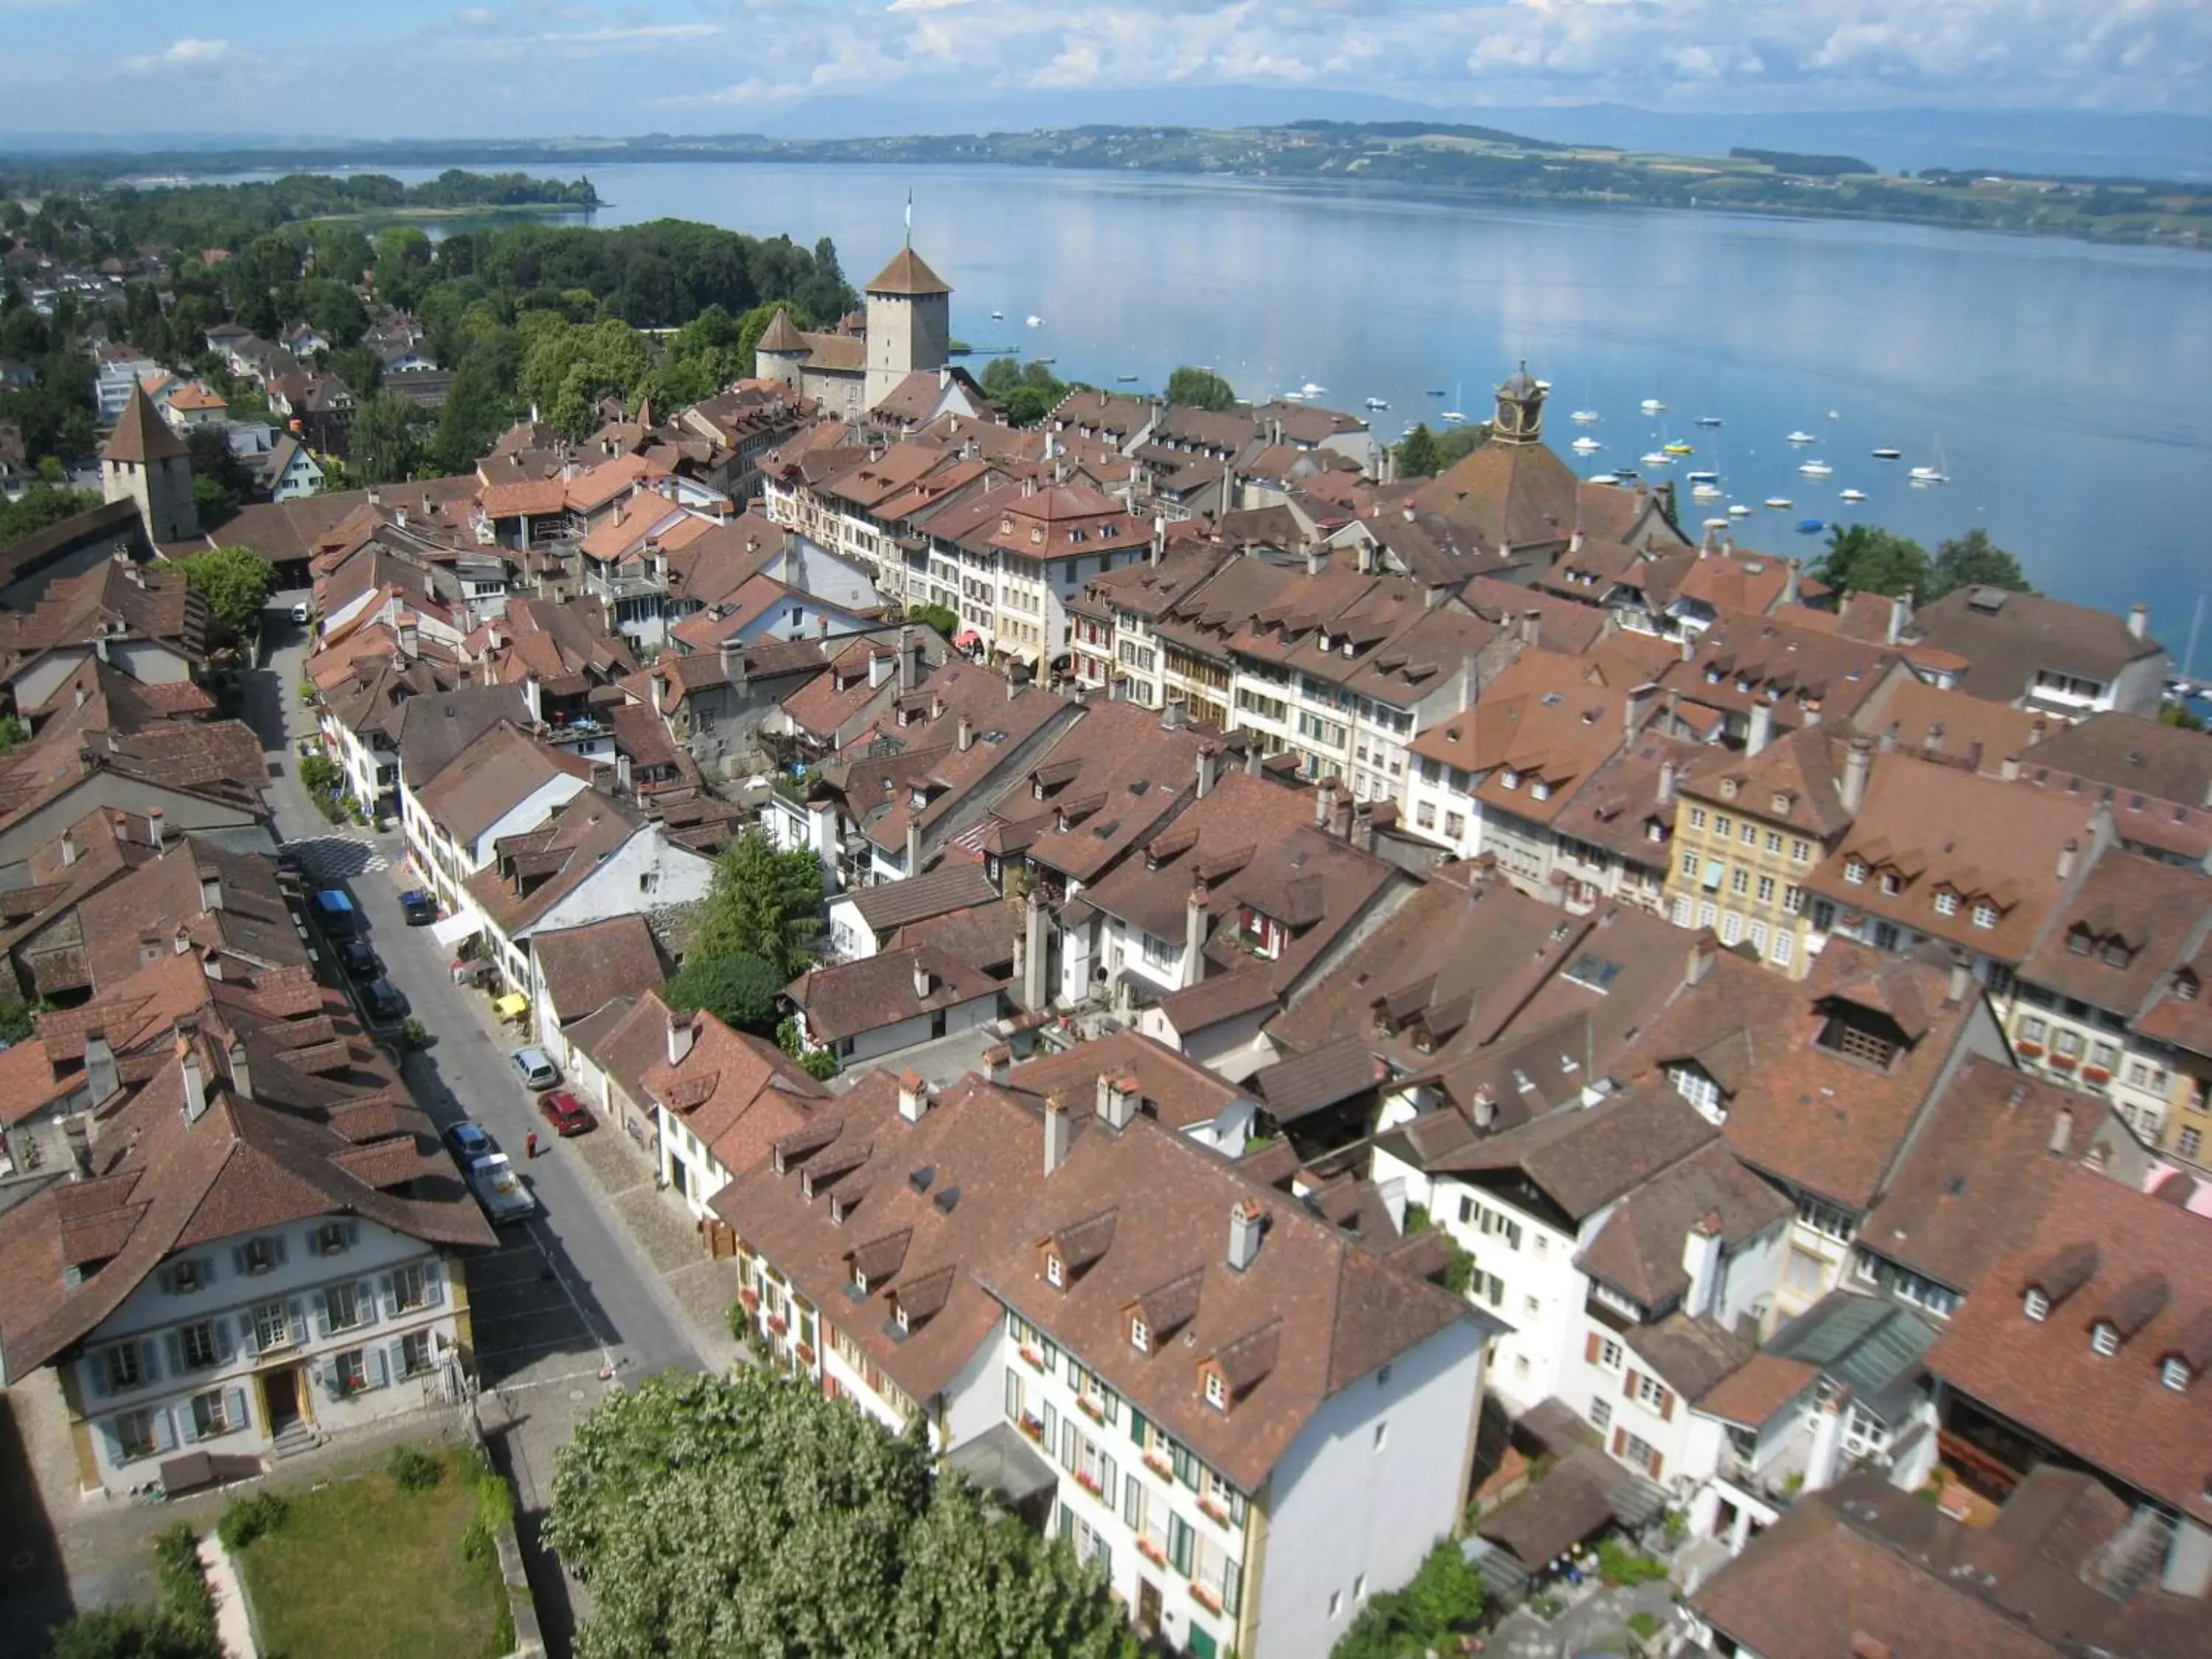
(1443,1599)
(1974,561)
(1862,559)
(714,1516)
(1417,453)
(235,582)
(739,989)
(385,444)
(1200,388)
(938,616)
(764,904)
(41,505)
(1025,394)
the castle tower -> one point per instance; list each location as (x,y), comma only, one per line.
(909,323)
(149,464)
(1520,417)
(781,352)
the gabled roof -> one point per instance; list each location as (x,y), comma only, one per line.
(906,274)
(141,435)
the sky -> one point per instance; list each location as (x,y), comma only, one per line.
(517,68)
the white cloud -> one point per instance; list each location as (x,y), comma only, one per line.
(187,53)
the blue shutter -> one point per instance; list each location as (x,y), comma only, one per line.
(366,1293)
(176,1351)
(148,1359)
(188,1427)
(387,1295)
(352,1234)
(433,1283)
(207,1270)
(165,1432)
(249,1339)
(398,1351)
(95,1370)
(238,1259)
(278,1244)
(225,1350)
(299,1318)
(379,1373)
(322,1315)
(114,1437)
(235,1414)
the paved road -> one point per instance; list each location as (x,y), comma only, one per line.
(568,1294)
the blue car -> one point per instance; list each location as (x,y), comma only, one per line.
(417,907)
(468,1141)
(335,915)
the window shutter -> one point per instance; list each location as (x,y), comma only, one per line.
(225,1351)
(1067,1444)
(149,1363)
(1108,1477)
(176,1351)
(1179,1544)
(365,1290)
(1619,1441)
(398,1352)
(166,1279)
(1232,1587)
(235,1414)
(379,1373)
(114,1437)
(352,1234)
(188,1425)
(238,1259)
(208,1274)
(277,1246)
(1013,1393)
(1589,1349)
(1137,1426)
(1654,1465)
(333,1382)
(387,1297)
(322,1315)
(1133,1500)
(298,1320)
(1628,1385)
(1666,1406)
(249,1341)
(433,1283)
(95,1366)
(165,1431)
(1051,1427)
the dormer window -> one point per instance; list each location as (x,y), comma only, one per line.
(2185,987)
(2079,942)
(1540,790)
(1512,779)
(1891,885)
(1140,1337)
(1855,872)
(2037,1306)
(2105,1338)
(1985,915)
(1713,677)
(1780,805)
(861,1280)
(1054,1274)
(2174,1373)
(2116,954)
(899,1314)
(1728,788)
(1217,1391)
(1946,904)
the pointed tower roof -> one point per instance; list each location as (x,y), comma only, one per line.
(782,334)
(906,274)
(141,436)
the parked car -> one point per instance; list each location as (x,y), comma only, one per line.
(469,1140)
(335,915)
(302,611)
(500,1190)
(568,1115)
(382,999)
(416,906)
(536,1067)
(358,957)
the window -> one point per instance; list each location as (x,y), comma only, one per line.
(1855,872)
(332,1237)
(1774,842)
(1630,1450)
(1140,1337)
(2174,1373)
(1724,826)
(1690,867)
(1784,945)
(125,1370)
(1217,1391)
(2036,1306)
(197,1343)
(1739,882)
(1890,886)
(414,1353)
(1610,1353)
(1731,928)
(1749,835)
(1601,1413)
(1793,901)
(1985,915)
(410,1289)
(1766,889)
(1825,1218)
(1455,824)
(1532,1305)
(259,1254)
(134,1434)
(272,1327)
(1382,1435)
(1158,952)
(1651,1392)
(1052,1272)
(188,1275)
(2103,1339)
(1359,1588)
(1424,815)
(1759,936)
(1335,1602)
(1696,818)
(1800,852)
(2032,1029)
(342,1303)
(350,1370)
(2190,1140)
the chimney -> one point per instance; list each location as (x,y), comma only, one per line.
(533,699)
(1667,777)
(2061,1132)
(1791,574)
(1118,1094)
(1316,559)
(1485,1106)
(2138,621)
(913,1096)
(1762,728)
(180,941)
(1036,954)
(997,1062)
(683,1030)
(1362,834)
(657,687)
(1636,711)
(1057,1134)
(242,1078)
(1193,936)
(188,1059)
(2067,855)
(1324,803)
(408,636)
(155,837)
(910,661)
(1700,964)
(210,889)
(966,740)
(1701,1264)
(1826,1456)
(880,668)
(100,1078)
(1900,616)
(1858,756)
(1962,982)
(1015,678)
(1339,815)
(1246,1220)
(68,849)
(1160,538)
(1531,624)
(1256,758)
(1935,736)
(913,848)
(923,984)
(621,774)
(211,962)
(1209,768)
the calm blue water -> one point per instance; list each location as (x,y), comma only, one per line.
(2068,386)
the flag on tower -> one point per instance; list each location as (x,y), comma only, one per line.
(909,218)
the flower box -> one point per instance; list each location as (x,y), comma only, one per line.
(1205,1597)
(752,1299)
(779,1324)
(2032,1051)
(1091,1408)
(1033,1359)
(1213,1511)
(1163,1467)
(806,1354)
(2064,1062)
(1089,1483)
(1031,1426)
(2096,1074)
(1152,1551)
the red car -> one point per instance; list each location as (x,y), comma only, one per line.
(568,1115)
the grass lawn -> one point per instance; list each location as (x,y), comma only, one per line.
(364,1571)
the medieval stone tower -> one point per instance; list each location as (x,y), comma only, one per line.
(145,462)
(909,323)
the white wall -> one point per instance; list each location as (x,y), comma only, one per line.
(677,874)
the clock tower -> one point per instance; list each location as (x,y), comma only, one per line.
(1520,416)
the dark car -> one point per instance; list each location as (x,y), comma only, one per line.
(416,906)
(334,913)
(382,999)
(568,1115)
(358,957)
(469,1140)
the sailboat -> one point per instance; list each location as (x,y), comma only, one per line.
(1586,444)
(1652,407)
(1931,474)
(1452,416)
(1658,458)
(1678,448)
(1817,469)
(1888,452)
(1801,438)
(1850,495)
(1584,417)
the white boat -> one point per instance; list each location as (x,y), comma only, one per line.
(1709,420)
(1705,492)
(1603,479)
(1543,385)
(1658,458)
(1293,397)
(1817,469)
(1802,438)
(1584,417)
(998,316)
(1850,495)
(1586,446)
(1034,322)
(1738,510)
(1931,474)
(1125,379)
(1378,403)
(1778,502)
(1652,407)
(1451,417)
(1886,453)
(1703,478)
(1835,414)
(1311,390)
(1717,524)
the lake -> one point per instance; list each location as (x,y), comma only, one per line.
(2066,388)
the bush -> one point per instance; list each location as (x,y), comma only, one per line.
(413,1470)
(1619,1564)
(182,1627)
(1643,1625)
(413,1033)
(251,1518)
(1443,1599)
(737,987)
(495,1510)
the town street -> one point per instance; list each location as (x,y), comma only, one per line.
(570,1305)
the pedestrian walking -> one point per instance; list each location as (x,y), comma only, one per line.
(530,1144)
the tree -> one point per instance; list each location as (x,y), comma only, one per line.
(1974,561)
(741,1515)
(1417,453)
(1200,388)
(1443,1600)
(739,989)
(763,903)
(384,445)
(235,582)
(41,505)
(1862,559)
(938,616)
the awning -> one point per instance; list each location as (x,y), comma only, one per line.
(512,1005)
(456,927)
(966,637)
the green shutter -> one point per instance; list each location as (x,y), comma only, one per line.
(1202,1645)
(1113,1403)
(1179,1544)
(1013,1393)
(1132,1501)
(1233,1588)
(1137,1427)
